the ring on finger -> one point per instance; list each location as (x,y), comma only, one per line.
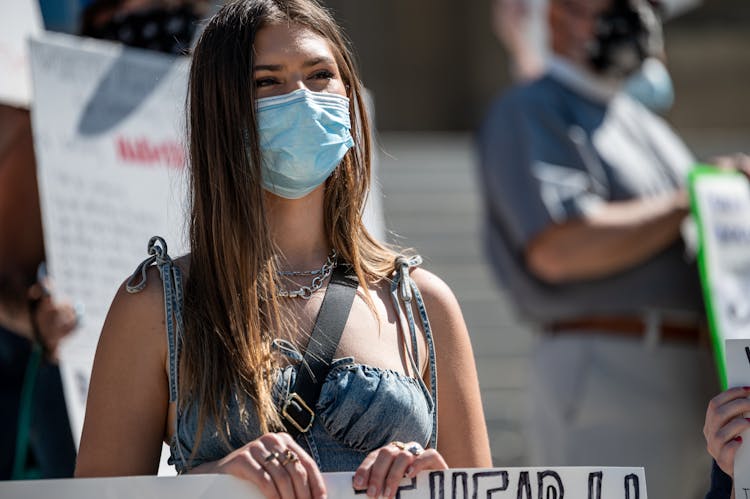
(399,445)
(271,456)
(289,457)
(415,449)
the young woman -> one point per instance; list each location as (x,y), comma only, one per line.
(280,165)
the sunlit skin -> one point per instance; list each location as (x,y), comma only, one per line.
(289,57)
(123,435)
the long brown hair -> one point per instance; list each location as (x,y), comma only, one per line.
(231,306)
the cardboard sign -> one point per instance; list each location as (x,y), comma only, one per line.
(108,133)
(21,19)
(720,203)
(498,483)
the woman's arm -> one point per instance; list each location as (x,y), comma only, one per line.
(462,431)
(128,400)
(128,403)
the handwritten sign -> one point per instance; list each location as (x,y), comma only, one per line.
(497,483)
(20,20)
(108,132)
(738,374)
(721,206)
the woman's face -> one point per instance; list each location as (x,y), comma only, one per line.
(289,57)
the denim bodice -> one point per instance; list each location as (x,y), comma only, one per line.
(360,407)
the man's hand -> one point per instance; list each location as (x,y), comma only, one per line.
(51,320)
(738,161)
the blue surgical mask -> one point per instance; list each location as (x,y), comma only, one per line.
(303,136)
(652,86)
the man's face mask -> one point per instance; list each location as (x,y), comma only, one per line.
(626,34)
(165,30)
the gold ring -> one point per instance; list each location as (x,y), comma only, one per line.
(400,445)
(289,457)
(270,457)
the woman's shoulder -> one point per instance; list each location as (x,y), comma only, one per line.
(138,304)
(439,300)
(145,283)
(137,312)
(432,288)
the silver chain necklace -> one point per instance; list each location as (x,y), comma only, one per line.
(320,275)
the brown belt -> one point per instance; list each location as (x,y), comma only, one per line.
(631,326)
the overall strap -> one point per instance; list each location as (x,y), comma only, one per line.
(404,291)
(171,277)
(299,408)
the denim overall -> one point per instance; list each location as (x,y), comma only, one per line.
(360,407)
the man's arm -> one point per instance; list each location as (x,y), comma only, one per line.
(614,237)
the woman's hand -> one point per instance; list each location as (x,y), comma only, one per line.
(384,468)
(276,464)
(724,423)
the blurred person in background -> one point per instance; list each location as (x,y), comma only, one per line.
(584,195)
(521,26)
(36,440)
(163,25)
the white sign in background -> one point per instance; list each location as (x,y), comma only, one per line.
(20,20)
(723,201)
(497,483)
(108,134)
(738,374)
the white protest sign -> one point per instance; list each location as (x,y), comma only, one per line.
(497,483)
(108,128)
(20,20)
(737,353)
(721,206)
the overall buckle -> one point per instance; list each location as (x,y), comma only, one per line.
(298,413)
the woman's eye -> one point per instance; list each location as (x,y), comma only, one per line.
(323,74)
(264,82)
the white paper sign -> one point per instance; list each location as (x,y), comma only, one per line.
(108,133)
(497,483)
(737,353)
(722,204)
(20,19)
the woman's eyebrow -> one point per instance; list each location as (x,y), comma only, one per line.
(318,60)
(308,63)
(268,67)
